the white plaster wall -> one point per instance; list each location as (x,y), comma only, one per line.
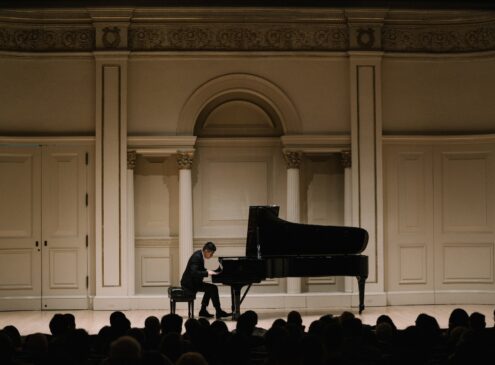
(438,94)
(47,95)
(160,85)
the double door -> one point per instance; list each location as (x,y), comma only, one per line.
(43,227)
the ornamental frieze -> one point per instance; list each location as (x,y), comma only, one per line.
(43,39)
(440,39)
(446,38)
(250,37)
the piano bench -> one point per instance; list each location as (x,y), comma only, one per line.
(179,294)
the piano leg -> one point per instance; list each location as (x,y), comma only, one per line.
(236,301)
(361,282)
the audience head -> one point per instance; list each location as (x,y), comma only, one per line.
(384,318)
(477,321)
(279,322)
(70,320)
(246,323)
(125,350)
(58,325)
(458,318)
(219,327)
(294,318)
(191,358)
(14,335)
(119,321)
(171,323)
(172,346)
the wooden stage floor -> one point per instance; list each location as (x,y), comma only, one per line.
(403,316)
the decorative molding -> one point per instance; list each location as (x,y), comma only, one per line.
(439,38)
(131,160)
(43,38)
(427,139)
(185,160)
(346,159)
(245,37)
(293,159)
(111,37)
(316,144)
(47,140)
(238,30)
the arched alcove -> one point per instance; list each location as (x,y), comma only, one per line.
(238,105)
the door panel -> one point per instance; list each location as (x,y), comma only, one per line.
(409,210)
(64,257)
(465,217)
(20,228)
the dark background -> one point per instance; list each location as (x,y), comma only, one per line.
(394,4)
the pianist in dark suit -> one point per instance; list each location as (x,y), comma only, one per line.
(192,280)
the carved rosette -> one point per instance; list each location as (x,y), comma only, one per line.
(184,160)
(131,160)
(111,37)
(293,159)
(346,159)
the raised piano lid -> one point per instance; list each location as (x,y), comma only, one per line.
(269,235)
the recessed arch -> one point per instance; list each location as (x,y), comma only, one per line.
(239,87)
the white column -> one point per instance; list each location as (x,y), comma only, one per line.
(346,161)
(184,160)
(293,160)
(131,163)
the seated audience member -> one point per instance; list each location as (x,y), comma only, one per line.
(477,321)
(191,358)
(294,318)
(124,351)
(171,323)
(152,332)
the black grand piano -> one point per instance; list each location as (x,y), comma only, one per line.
(276,248)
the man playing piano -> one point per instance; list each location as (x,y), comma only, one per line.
(192,280)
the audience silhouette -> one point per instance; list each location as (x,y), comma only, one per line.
(329,340)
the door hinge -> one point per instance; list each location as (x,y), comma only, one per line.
(87,240)
(87,199)
(87,281)
(87,158)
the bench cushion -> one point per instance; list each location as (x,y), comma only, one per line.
(178,293)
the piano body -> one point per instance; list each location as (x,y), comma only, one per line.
(276,248)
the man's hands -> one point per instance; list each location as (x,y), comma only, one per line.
(211,272)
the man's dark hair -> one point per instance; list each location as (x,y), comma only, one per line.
(209,246)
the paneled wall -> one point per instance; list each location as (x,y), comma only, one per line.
(440,224)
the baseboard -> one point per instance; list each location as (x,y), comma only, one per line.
(252,301)
(440,297)
(20,303)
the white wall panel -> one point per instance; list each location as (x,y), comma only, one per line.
(156,188)
(64,268)
(472,263)
(16,269)
(465,192)
(16,195)
(413,264)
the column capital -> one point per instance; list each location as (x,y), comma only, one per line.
(293,159)
(185,160)
(131,160)
(346,159)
